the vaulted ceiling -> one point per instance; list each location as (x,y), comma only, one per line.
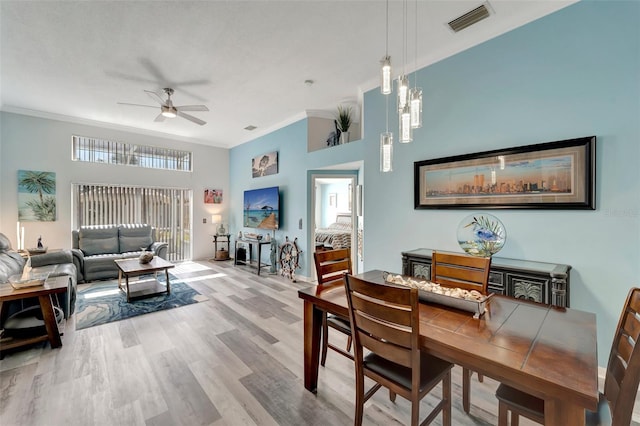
(247,61)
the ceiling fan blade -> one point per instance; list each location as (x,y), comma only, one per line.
(155,96)
(192,108)
(147,106)
(191,118)
(159,118)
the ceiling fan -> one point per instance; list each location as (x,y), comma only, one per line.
(168,110)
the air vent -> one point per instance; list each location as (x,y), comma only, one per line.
(469,18)
(250,128)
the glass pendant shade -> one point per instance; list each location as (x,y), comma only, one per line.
(385,75)
(386,152)
(406,134)
(403,92)
(416,108)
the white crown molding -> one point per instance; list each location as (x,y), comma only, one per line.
(102,124)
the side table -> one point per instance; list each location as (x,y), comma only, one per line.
(43,293)
(222,254)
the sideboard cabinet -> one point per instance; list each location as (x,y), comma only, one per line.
(538,281)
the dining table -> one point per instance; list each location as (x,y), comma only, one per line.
(547,351)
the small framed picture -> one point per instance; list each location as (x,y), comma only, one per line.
(213,196)
(264,165)
(333,199)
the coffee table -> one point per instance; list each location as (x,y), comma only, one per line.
(144,288)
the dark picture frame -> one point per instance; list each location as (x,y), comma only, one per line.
(551,175)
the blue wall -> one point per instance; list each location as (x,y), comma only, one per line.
(573,73)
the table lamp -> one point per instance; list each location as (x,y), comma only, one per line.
(217,218)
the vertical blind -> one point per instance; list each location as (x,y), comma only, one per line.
(166,209)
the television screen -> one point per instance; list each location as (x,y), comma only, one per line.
(261,208)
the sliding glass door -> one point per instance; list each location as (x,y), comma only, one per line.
(166,209)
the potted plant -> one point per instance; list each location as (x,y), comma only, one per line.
(344,120)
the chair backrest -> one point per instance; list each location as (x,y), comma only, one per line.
(462,271)
(623,369)
(331,265)
(385,320)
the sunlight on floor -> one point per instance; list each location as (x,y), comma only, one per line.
(202,277)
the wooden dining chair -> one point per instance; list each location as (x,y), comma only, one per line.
(615,406)
(385,321)
(332,265)
(469,273)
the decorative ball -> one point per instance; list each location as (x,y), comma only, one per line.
(481,235)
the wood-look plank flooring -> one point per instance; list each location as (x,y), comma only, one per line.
(235,359)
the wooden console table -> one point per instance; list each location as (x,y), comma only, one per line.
(538,281)
(43,293)
(249,242)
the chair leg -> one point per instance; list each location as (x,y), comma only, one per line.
(392,396)
(466,389)
(480,378)
(349,341)
(502,414)
(357,421)
(325,339)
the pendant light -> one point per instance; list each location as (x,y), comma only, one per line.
(403,92)
(386,152)
(415,95)
(404,109)
(386,138)
(385,71)
(406,132)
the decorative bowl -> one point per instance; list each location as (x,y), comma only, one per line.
(146,257)
(481,235)
(32,281)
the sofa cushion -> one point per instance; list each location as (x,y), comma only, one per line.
(98,240)
(134,237)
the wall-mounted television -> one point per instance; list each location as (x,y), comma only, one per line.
(262,208)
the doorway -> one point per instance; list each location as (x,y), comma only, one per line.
(333,213)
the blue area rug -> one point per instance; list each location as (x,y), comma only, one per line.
(103,302)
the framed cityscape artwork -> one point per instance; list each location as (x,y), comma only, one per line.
(552,175)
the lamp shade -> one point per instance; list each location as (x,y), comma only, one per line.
(216,218)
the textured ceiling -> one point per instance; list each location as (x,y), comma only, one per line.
(247,61)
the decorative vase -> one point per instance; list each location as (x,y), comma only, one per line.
(481,235)
(145,256)
(344,138)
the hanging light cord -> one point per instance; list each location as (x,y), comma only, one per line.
(386,48)
(415,71)
(404,40)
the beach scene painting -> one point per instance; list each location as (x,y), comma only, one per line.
(261,208)
(36,196)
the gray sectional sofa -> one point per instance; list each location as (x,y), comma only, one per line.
(96,247)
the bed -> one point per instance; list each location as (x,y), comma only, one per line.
(337,235)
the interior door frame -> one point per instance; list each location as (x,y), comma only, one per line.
(352,176)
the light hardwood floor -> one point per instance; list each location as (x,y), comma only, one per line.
(235,359)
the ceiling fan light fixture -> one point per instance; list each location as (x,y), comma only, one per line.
(169,112)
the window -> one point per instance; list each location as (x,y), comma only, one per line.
(94,150)
(166,209)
